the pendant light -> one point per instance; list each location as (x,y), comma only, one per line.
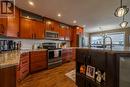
(121,11)
(124,23)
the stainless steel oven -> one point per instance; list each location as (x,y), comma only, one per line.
(54,54)
(54,58)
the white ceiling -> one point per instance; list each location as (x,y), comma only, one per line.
(92,13)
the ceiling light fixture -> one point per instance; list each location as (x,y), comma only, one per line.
(59,15)
(31,3)
(124,23)
(121,11)
(74,21)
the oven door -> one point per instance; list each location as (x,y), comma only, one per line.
(54,58)
(50,54)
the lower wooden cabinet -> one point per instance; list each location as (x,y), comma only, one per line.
(66,55)
(8,77)
(73,54)
(23,67)
(38,61)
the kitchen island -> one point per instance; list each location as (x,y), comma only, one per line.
(98,67)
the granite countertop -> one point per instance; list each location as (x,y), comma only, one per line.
(12,58)
(8,59)
(114,49)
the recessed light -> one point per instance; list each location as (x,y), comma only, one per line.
(31,3)
(77,28)
(59,15)
(49,22)
(27,17)
(74,21)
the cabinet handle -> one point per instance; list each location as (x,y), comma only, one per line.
(24,62)
(18,33)
(2,28)
(35,35)
(32,36)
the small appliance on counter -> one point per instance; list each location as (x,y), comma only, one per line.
(9,45)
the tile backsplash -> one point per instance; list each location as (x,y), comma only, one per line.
(27,43)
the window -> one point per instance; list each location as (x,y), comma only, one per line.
(117,39)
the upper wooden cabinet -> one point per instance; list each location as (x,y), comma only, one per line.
(76,31)
(68,34)
(51,25)
(25,28)
(31,25)
(79,30)
(3,25)
(31,29)
(37,29)
(10,26)
(56,27)
(62,34)
(65,32)
(13,25)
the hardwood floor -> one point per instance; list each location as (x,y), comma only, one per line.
(50,78)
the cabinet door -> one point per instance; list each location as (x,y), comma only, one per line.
(13,25)
(98,59)
(80,80)
(38,61)
(25,28)
(3,25)
(62,34)
(38,29)
(48,26)
(82,55)
(67,34)
(56,27)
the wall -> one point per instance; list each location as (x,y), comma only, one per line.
(27,43)
(126,31)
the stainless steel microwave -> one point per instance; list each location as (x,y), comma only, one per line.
(51,35)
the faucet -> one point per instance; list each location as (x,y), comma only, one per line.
(104,39)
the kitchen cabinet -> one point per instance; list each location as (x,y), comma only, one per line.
(10,26)
(73,38)
(68,34)
(8,77)
(56,27)
(38,61)
(73,53)
(3,25)
(66,55)
(51,25)
(37,29)
(23,67)
(62,34)
(76,31)
(13,25)
(31,29)
(25,28)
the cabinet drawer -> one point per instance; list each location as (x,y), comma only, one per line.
(24,63)
(37,53)
(38,59)
(24,72)
(37,66)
